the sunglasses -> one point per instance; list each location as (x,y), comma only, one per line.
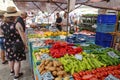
(10,17)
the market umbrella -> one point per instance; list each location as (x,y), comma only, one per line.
(45,5)
(41,5)
(110,4)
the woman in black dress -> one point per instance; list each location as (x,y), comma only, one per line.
(13,34)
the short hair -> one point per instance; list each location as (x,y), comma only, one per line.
(1,16)
(57,13)
(23,13)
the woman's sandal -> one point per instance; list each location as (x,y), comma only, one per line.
(17,77)
(5,62)
(12,73)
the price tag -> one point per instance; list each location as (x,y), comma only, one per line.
(111,77)
(78,56)
(112,54)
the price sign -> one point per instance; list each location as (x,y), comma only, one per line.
(112,54)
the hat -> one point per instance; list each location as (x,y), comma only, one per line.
(11,11)
(2,12)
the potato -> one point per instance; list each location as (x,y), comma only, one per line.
(58,69)
(59,64)
(50,64)
(61,67)
(41,69)
(60,73)
(65,74)
(46,67)
(43,61)
(51,68)
(54,73)
(44,71)
(58,78)
(55,63)
(47,62)
(38,66)
(41,64)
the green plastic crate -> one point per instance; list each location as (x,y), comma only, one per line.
(35,61)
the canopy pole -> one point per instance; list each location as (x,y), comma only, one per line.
(55,10)
(58,6)
(39,8)
(116,30)
(68,16)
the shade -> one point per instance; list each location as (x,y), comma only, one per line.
(40,5)
(112,4)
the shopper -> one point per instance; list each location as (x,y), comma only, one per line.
(14,34)
(58,22)
(21,19)
(65,24)
(2,51)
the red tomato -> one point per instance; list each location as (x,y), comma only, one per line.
(115,67)
(77,78)
(93,79)
(98,75)
(87,72)
(102,78)
(109,72)
(87,77)
(98,70)
(94,71)
(81,73)
(75,75)
(105,74)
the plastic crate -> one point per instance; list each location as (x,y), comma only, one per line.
(104,43)
(106,19)
(98,43)
(30,54)
(107,37)
(35,61)
(103,37)
(98,29)
(38,74)
(91,38)
(40,78)
(98,36)
(36,77)
(80,35)
(105,28)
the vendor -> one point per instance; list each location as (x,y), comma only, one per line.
(58,22)
(64,22)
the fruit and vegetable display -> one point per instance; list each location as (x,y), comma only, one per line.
(41,53)
(49,41)
(90,47)
(40,34)
(59,49)
(80,38)
(98,73)
(71,64)
(71,61)
(54,68)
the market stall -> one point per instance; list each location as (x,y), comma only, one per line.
(55,56)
